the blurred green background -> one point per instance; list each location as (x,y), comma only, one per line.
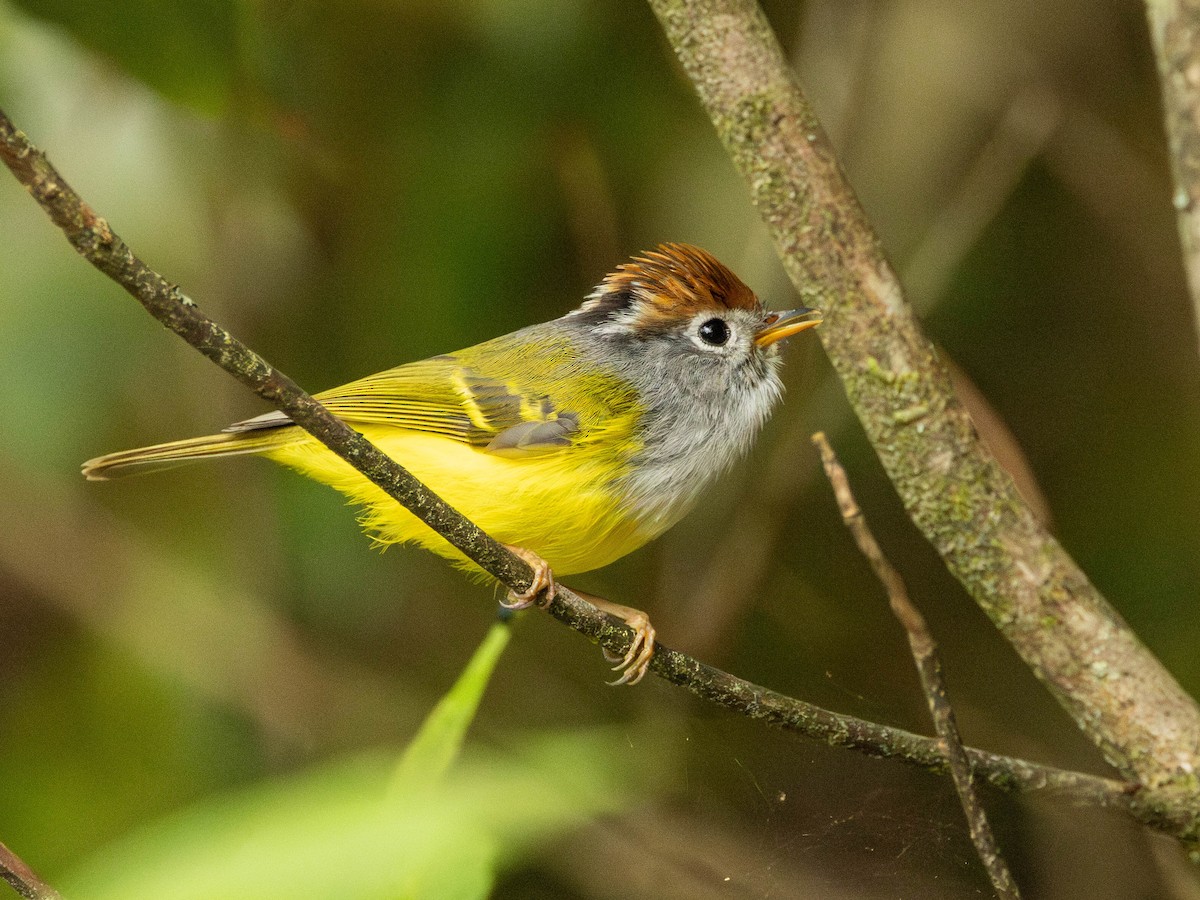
(351,185)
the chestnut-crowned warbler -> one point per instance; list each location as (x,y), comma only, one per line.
(574,442)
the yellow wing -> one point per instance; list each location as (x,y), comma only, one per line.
(489,397)
(526,394)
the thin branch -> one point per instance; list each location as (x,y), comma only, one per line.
(92,237)
(23,879)
(1175,31)
(838,730)
(1117,692)
(929,667)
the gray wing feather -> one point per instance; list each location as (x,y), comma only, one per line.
(532,438)
(499,413)
(274,419)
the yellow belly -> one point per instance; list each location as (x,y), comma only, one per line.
(561,505)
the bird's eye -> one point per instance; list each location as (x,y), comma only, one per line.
(714,332)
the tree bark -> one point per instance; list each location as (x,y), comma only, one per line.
(1118,693)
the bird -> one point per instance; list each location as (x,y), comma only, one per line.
(573,442)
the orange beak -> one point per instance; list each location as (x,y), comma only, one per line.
(779,325)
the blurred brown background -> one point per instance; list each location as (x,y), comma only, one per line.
(348,186)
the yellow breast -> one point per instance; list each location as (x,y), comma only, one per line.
(562,506)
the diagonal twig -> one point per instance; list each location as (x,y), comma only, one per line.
(929,667)
(23,879)
(93,238)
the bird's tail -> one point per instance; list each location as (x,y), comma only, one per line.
(176,453)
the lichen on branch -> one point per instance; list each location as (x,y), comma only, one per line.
(950,484)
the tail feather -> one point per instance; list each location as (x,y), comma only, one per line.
(176,453)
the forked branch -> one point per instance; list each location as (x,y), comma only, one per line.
(1117,692)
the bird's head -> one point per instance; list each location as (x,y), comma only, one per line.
(682,299)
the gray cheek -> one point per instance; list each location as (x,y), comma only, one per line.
(696,437)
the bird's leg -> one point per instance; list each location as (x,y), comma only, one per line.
(633,664)
(543,580)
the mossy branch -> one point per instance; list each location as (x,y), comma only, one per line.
(95,240)
(1117,692)
(92,237)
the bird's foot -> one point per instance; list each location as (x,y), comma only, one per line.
(541,591)
(633,664)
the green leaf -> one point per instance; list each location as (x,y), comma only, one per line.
(336,831)
(368,828)
(438,742)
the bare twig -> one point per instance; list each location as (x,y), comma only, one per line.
(1117,692)
(96,242)
(1175,30)
(837,730)
(929,667)
(23,879)
(92,237)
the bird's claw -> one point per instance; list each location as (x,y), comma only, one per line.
(541,591)
(631,665)
(634,663)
